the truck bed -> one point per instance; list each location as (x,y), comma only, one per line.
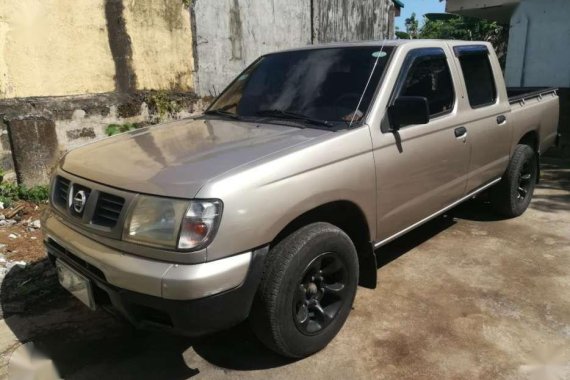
(535,109)
(516,94)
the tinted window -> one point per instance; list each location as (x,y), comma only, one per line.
(429,77)
(479,79)
(325,84)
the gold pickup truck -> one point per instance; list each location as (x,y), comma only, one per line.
(270,205)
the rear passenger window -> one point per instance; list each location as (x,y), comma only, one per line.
(479,79)
(429,77)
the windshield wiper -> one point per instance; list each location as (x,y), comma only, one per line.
(221,112)
(288,115)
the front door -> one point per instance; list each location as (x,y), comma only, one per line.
(421,168)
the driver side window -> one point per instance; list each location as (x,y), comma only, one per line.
(428,76)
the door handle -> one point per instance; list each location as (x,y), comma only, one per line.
(460,132)
(501,119)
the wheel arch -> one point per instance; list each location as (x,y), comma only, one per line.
(531,139)
(350,218)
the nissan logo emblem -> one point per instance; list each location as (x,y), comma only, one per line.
(79,201)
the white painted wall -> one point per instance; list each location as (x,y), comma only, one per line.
(539,44)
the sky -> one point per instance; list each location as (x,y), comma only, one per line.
(420,7)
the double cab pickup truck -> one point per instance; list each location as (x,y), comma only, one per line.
(270,205)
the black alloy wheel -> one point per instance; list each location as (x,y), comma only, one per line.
(321,293)
(512,196)
(306,291)
(525,180)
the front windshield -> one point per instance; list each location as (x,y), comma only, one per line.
(324,84)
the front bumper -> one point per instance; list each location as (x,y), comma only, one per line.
(186,299)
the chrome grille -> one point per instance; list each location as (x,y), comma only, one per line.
(101,209)
(108,210)
(61,191)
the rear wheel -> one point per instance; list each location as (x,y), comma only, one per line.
(307,290)
(513,194)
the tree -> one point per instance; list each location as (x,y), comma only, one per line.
(412,26)
(461,28)
(401,35)
(469,29)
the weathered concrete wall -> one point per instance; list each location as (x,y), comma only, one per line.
(70,47)
(6,160)
(35,141)
(161,39)
(42,129)
(352,20)
(230,34)
(54,47)
(69,68)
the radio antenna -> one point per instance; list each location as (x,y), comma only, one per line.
(368,82)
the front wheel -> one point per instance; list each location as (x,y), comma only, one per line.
(513,194)
(307,290)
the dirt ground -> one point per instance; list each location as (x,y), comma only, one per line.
(27,246)
(466,296)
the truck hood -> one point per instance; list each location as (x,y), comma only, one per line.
(176,159)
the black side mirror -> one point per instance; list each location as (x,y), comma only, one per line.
(408,110)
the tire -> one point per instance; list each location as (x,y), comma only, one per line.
(513,194)
(285,315)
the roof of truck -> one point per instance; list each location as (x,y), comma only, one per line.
(379,43)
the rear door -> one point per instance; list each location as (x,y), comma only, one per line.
(421,168)
(487,113)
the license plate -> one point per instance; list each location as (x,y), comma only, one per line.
(75,283)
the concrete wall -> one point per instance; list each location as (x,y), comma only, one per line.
(54,47)
(496,10)
(352,20)
(539,55)
(70,47)
(161,38)
(538,45)
(34,132)
(231,34)
(69,68)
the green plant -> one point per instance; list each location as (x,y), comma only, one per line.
(113,129)
(186,3)
(162,104)
(35,194)
(11,192)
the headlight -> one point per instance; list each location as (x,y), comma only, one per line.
(172,223)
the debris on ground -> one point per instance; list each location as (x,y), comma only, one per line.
(21,254)
(20,232)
